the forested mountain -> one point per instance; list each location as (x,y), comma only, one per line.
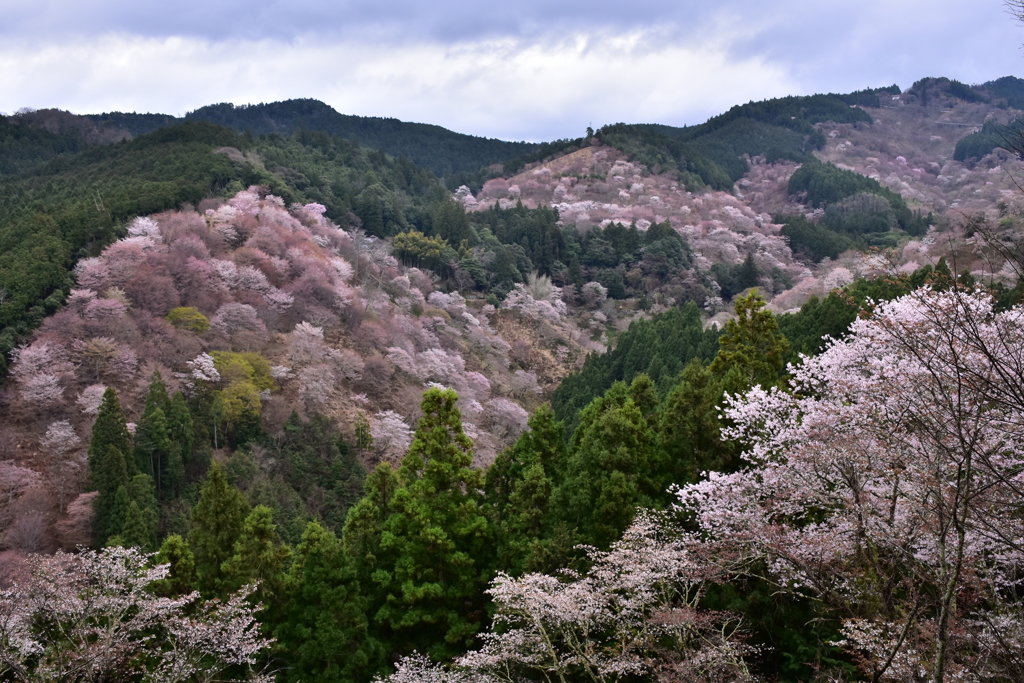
(438,149)
(671,404)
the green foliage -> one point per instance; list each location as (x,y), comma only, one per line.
(660,348)
(108,475)
(310,473)
(613,467)
(324,631)
(440,150)
(812,241)
(109,430)
(518,488)
(217,522)
(1009,89)
(751,351)
(689,428)
(259,556)
(433,542)
(189,318)
(414,248)
(181,574)
(826,185)
(992,136)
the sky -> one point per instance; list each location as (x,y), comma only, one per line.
(526,70)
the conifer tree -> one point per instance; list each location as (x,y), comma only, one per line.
(612,469)
(181,431)
(137,531)
(364,527)
(518,491)
(141,491)
(118,517)
(217,521)
(153,445)
(324,631)
(110,429)
(434,543)
(751,351)
(181,573)
(109,475)
(259,555)
(690,428)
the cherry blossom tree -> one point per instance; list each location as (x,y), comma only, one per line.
(635,613)
(91,616)
(63,468)
(391,435)
(885,484)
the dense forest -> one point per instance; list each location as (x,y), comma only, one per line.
(284,404)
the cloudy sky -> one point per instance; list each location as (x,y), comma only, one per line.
(531,69)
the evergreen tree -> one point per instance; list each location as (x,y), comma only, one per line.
(181,574)
(110,429)
(689,427)
(217,522)
(153,445)
(181,432)
(118,517)
(748,275)
(259,555)
(109,475)
(518,490)
(613,468)
(434,543)
(324,633)
(364,527)
(751,351)
(137,531)
(141,492)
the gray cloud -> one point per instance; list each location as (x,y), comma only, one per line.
(525,69)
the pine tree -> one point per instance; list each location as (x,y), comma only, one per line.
(110,429)
(324,631)
(690,429)
(217,521)
(181,574)
(364,527)
(434,543)
(612,468)
(141,492)
(749,275)
(109,475)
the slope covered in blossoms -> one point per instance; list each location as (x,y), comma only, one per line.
(274,309)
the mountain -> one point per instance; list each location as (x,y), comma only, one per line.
(442,151)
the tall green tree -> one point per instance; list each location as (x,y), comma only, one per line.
(751,351)
(181,571)
(518,491)
(324,633)
(137,531)
(613,467)
(689,428)
(435,541)
(153,445)
(108,475)
(181,432)
(110,429)
(259,555)
(217,522)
